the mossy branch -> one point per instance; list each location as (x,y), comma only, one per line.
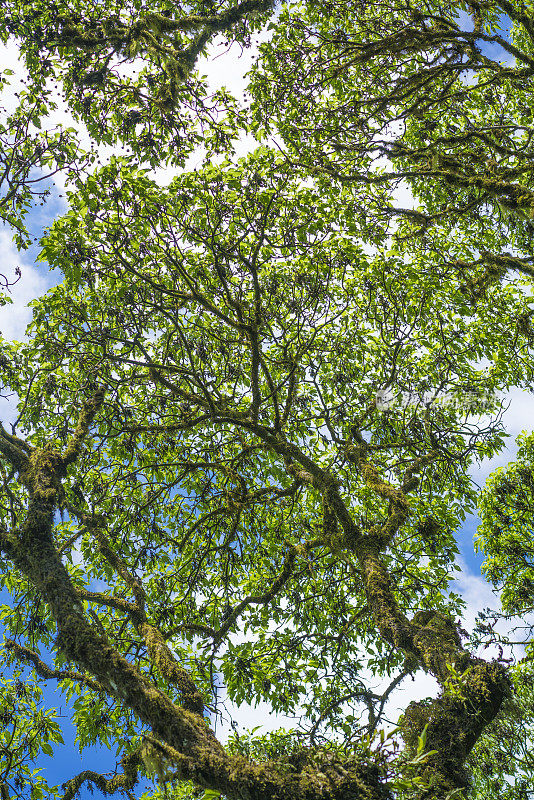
(15,450)
(163,658)
(87,415)
(118,603)
(132,581)
(28,656)
(122,782)
(157,648)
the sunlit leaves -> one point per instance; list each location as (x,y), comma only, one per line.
(188,281)
(27,729)
(128,73)
(266,342)
(505,537)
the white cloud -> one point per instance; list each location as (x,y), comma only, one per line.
(478,595)
(476,592)
(32,283)
(517,417)
(9,58)
(15,316)
(247,716)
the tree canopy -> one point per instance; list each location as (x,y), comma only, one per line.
(247,411)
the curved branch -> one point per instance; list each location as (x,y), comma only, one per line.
(15,450)
(117,603)
(42,669)
(87,415)
(119,783)
(269,594)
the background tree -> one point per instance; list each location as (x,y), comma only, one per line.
(246,415)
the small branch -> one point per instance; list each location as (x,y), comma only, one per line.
(117,603)
(132,581)
(222,23)
(89,410)
(14,449)
(119,783)
(31,657)
(269,594)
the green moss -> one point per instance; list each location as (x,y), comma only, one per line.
(455,721)
(41,478)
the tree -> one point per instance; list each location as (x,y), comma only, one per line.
(247,412)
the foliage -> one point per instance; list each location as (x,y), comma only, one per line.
(506,509)
(27,731)
(248,408)
(502,758)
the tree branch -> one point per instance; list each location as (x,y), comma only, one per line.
(42,669)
